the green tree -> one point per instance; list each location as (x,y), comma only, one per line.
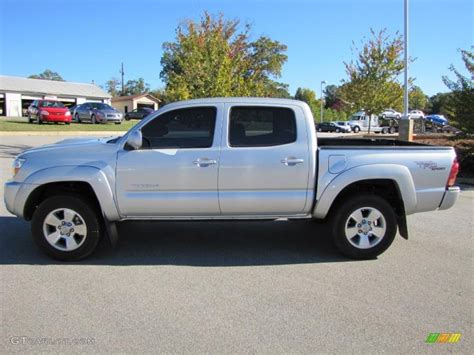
(113,87)
(439,104)
(332,97)
(372,78)
(136,87)
(309,96)
(417,98)
(461,101)
(47,75)
(214,57)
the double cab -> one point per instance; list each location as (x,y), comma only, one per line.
(228,159)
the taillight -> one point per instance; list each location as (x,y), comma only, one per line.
(453,173)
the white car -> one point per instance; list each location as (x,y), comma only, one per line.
(390,113)
(416,114)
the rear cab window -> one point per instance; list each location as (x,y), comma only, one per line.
(261,126)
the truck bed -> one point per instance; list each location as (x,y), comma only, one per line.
(367,143)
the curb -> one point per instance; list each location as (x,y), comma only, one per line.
(66,133)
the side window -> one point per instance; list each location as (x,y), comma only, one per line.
(182,128)
(255,126)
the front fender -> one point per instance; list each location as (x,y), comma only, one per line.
(94,176)
(398,173)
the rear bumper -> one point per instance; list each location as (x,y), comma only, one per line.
(450,197)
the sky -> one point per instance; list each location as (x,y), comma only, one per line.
(87,41)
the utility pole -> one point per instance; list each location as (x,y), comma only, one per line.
(122,73)
(405,125)
(322,99)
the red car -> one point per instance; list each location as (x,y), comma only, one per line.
(48,111)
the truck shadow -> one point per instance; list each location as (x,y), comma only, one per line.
(210,244)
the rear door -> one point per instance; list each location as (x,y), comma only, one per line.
(264,163)
(175,172)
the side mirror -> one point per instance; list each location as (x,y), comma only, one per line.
(135,139)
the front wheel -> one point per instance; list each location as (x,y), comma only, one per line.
(364,226)
(338,130)
(356,129)
(66,228)
(93,120)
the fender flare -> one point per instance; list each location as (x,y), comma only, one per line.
(91,175)
(397,173)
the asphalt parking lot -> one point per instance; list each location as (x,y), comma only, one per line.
(258,287)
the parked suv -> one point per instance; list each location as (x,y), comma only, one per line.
(97,112)
(48,111)
(138,113)
(328,127)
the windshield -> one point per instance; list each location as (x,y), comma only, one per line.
(101,106)
(341,123)
(355,118)
(51,104)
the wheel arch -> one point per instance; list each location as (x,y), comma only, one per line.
(88,182)
(392,182)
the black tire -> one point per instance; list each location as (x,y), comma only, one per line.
(78,205)
(78,119)
(38,120)
(384,130)
(356,129)
(392,130)
(118,122)
(320,130)
(93,121)
(342,215)
(338,130)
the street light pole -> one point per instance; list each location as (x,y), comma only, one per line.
(322,99)
(405,93)
(405,125)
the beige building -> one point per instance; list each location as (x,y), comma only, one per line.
(16,93)
(129,103)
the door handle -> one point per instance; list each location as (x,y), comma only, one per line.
(203,162)
(291,161)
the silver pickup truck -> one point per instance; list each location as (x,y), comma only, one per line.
(228,159)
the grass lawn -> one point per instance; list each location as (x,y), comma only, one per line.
(18,124)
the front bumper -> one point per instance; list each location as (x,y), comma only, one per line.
(10,192)
(58,118)
(450,197)
(15,196)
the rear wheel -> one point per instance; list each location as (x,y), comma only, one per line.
(93,120)
(66,227)
(384,130)
(38,120)
(338,130)
(364,226)
(392,130)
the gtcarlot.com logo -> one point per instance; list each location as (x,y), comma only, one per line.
(443,338)
(24,340)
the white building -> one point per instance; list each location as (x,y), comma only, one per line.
(16,93)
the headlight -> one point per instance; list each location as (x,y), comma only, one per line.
(17,164)
(68,113)
(44,113)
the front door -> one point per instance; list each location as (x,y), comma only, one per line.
(175,172)
(264,164)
